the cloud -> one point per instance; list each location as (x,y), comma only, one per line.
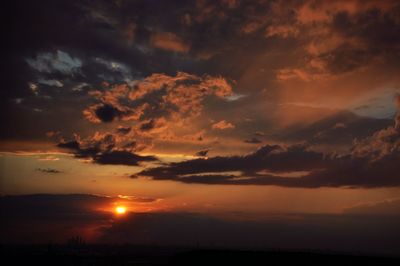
(223,124)
(48,170)
(331,52)
(235,97)
(114,66)
(122,157)
(51,82)
(387,207)
(153,106)
(102,113)
(382,144)
(123,130)
(202,153)
(139,199)
(259,133)
(284,31)
(336,36)
(286,74)
(55,62)
(253,141)
(101,150)
(274,158)
(268,166)
(159,95)
(73,145)
(372,162)
(50,158)
(397,119)
(169,41)
(338,129)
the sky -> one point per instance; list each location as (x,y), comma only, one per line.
(230,123)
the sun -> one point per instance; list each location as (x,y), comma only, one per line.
(120,210)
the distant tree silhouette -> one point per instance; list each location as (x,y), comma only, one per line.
(76,242)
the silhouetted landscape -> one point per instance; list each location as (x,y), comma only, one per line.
(121,255)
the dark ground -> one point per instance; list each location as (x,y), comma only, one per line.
(117,255)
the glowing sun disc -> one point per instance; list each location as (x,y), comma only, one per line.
(120,210)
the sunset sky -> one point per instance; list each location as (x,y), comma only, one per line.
(238,123)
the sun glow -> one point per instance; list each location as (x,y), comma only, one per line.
(120,210)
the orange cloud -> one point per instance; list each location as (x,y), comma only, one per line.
(294,73)
(284,31)
(157,107)
(223,124)
(322,11)
(158,95)
(169,41)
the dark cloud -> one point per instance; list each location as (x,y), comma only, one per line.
(270,167)
(372,162)
(101,152)
(340,128)
(123,130)
(148,125)
(253,141)
(122,157)
(202,153)
(73,145)
(106,112)
(275,158)
(48,170)
(345,59)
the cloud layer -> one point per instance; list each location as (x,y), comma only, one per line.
(123,77)
(154,107)
(371,163)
